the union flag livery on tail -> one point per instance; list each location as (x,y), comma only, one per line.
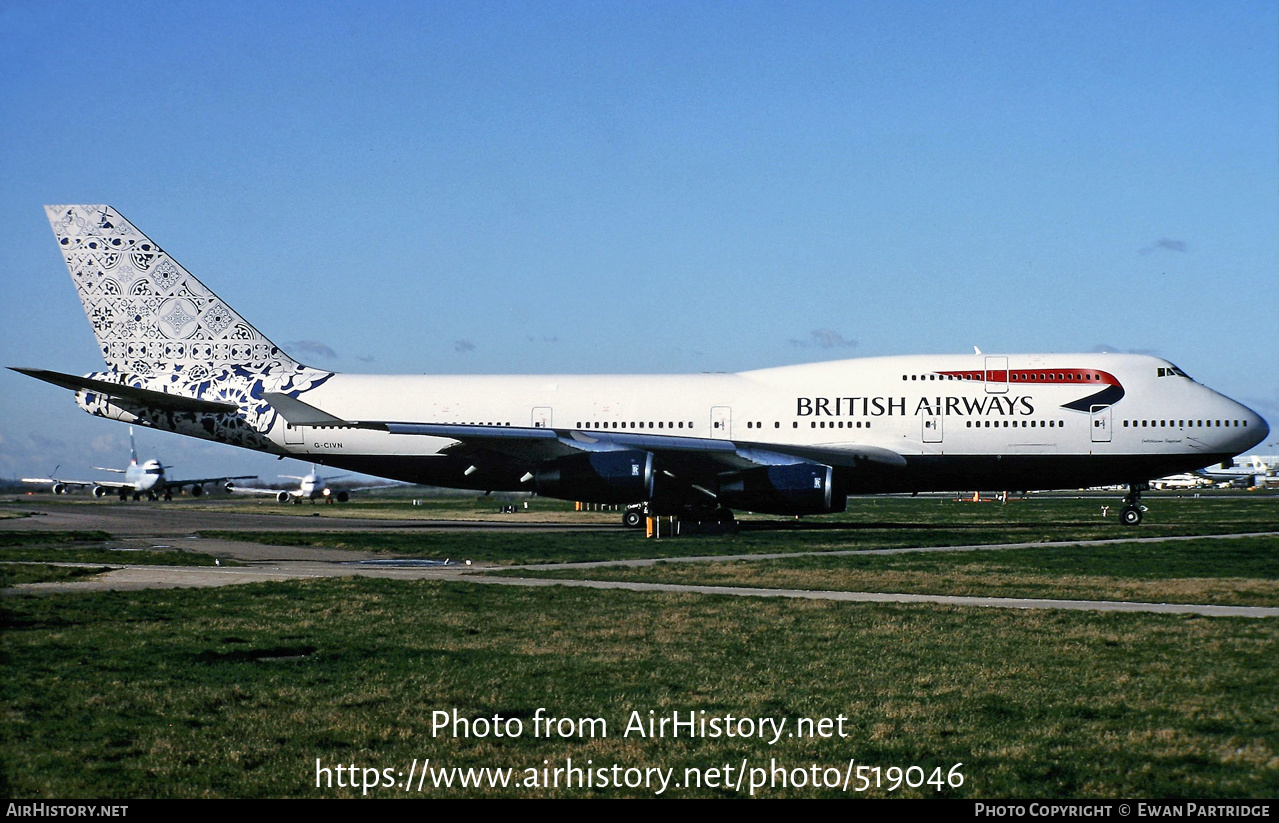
(789,440)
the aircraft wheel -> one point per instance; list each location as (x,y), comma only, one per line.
(1130,516)
(632,518)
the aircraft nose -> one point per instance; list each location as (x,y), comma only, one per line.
(1255,430)
(1263,428)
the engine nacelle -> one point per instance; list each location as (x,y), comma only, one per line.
(796,488)
(282,497)
(197,490)
(59,488)
(342,496)
(623,476)
(101,491)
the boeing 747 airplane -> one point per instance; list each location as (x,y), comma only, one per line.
(314,487)
(792,440)
(140,479)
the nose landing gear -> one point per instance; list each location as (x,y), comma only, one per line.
(1132,511)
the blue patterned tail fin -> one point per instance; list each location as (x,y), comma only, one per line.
(150,315)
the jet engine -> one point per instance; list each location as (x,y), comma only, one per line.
(197,490)
(100,491)
(59,488)
(282,497)
(622,476)
(795,488)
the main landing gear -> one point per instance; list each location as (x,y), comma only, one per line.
(633,516)
(1132,511)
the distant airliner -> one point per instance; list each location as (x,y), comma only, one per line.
(313,487)
(790,440)
(140,479)
(1251,471)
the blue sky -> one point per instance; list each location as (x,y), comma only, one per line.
(519,187)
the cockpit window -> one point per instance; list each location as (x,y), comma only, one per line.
(1169,371)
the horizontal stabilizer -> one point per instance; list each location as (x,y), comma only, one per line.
(142,397)
(297,413)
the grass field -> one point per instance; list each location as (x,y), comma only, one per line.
(869,523)
(27,551)
(237,691)
(1237,571)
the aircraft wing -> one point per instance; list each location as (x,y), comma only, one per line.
(698,455)
(178,484)
(79,484)
(256,490)
(367,487)
(351,487)
(53,480)
(144,397)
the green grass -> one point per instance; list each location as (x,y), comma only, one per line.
(11,574)
(35,546)
(117,557)
(235,692)
(870,523)
(12,539)
(1228,571)
(376,505)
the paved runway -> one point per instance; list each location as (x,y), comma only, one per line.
(156,526)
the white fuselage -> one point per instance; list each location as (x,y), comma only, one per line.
(144,477)
(935,410)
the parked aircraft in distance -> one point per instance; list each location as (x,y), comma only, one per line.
(140,479)
(789,440)
(1185,480)
(1250,471)
(314,487)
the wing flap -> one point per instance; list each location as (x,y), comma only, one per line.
(200,481)
(524,443)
